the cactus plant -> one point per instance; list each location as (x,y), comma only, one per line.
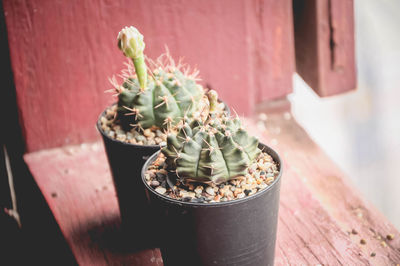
(161,99)
(212,152)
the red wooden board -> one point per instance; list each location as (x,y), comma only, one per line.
(63,53)
(77,185)
(324,40)
(318,207)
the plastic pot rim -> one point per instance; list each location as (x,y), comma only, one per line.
(171,201)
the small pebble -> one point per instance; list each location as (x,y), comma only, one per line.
(354,232)
(191,194)
(210,191)
(373,254)
(247,191)
(269,180)
(141,138)
(241,195)
(155,183)
(383,244)
(390,237)
(198,190)
(363,242)
(147,132)
(159,133)
(160,190)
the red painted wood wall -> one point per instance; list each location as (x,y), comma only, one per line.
(64,51)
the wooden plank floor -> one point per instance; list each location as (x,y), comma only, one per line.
(318,208)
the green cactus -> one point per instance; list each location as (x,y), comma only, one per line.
(160,100)
(216,151)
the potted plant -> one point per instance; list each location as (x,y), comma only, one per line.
(221,203)
(151,101)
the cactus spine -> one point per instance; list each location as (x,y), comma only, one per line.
(160,100)
(216,151)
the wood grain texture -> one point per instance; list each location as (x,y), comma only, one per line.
(324,42)
(78,187)
(64,51)
(320,202)
(318,206)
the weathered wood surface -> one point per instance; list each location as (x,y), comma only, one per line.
(318,207)
(324,41)
(63,53)
(77,185)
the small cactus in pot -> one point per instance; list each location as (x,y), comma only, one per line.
(214,186)
(153,98)
(158,98)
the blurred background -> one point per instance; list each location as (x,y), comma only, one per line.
(360,130)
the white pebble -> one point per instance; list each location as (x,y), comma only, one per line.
(241,195)
(198,189)
(191,194)
(160,190)
(147,132)
(210,191)
(155,183)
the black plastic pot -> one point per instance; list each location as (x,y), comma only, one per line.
(126,161)
(239,232)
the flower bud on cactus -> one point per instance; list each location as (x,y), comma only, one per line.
(131,43)
(160,100)
(213,100)
(215,152)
